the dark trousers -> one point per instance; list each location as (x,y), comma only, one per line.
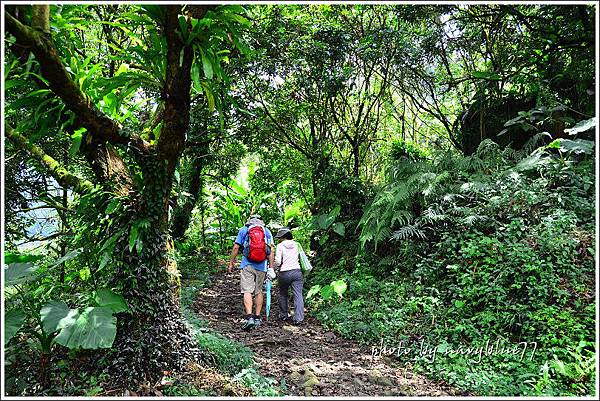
(294,279)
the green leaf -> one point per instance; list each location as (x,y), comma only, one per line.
(139,245)
(196,77)
(108,298)
(582,126)
(327,292)
(239,19)
(491,76)
(514,121)
(577,146)
(207,66)
(532,162)
(313,290)
(183,27)
(323,239)
(112,206)
(335,212)
(157,129)
(339,228)
(94,328)
(111,103)
(241,45)
(339,287)
(555,144)
(233,8)
(13,320)
(123,68)
(210,98)
(76,137)
(133,234)
(71,255)
(459,304)
(156,12)
(16,273)
(55,315)
(324,221)
(16,258)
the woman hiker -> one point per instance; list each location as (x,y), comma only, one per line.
(290,275)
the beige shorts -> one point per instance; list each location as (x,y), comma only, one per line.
(252,280)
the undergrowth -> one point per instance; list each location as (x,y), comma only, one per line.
(487,260)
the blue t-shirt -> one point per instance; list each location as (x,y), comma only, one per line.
(241,237)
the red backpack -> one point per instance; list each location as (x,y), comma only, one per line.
(255,246)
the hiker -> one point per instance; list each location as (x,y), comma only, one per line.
(290,274)
(256,243)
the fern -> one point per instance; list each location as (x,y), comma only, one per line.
(407,232)
(446,187)
(532,144)
(433,215)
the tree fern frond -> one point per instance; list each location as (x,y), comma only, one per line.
(389,261)
(532,144)
(402,217)
(409,231)
(472,219)
(473,187)
(433,215)
(487,149)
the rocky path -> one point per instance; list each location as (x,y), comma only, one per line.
(308,360)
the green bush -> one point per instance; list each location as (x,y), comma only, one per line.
(407,150)
(229,357)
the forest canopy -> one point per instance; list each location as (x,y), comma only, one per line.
(437,162)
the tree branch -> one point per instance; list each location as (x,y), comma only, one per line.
(60,174)
(176,112)
(40,17)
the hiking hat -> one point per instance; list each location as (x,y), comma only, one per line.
(282,231)
(255,219)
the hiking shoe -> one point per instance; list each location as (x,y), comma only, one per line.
(248,324)
(257,321)
(298,323)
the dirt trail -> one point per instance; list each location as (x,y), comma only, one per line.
(309,359)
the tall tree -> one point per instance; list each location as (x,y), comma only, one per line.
(133,165)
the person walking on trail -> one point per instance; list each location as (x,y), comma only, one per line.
(256,242)
(290,275)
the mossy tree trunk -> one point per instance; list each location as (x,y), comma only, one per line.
(154,337)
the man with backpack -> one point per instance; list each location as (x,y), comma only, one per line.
(256,242)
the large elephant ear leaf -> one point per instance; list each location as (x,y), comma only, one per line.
(339,228)
(114,301)
(13,320)
(95,327)
(582,126)
(339,287)
(16,273)
(56,315)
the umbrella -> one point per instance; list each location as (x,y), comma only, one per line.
(268,285)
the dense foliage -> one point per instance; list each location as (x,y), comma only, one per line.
(478,249)
(437,162)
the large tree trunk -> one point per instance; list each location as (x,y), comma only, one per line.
(183,214)
(156,337)
(153,338)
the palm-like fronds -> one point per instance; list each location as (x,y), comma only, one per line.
(406,232)
(444,189)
